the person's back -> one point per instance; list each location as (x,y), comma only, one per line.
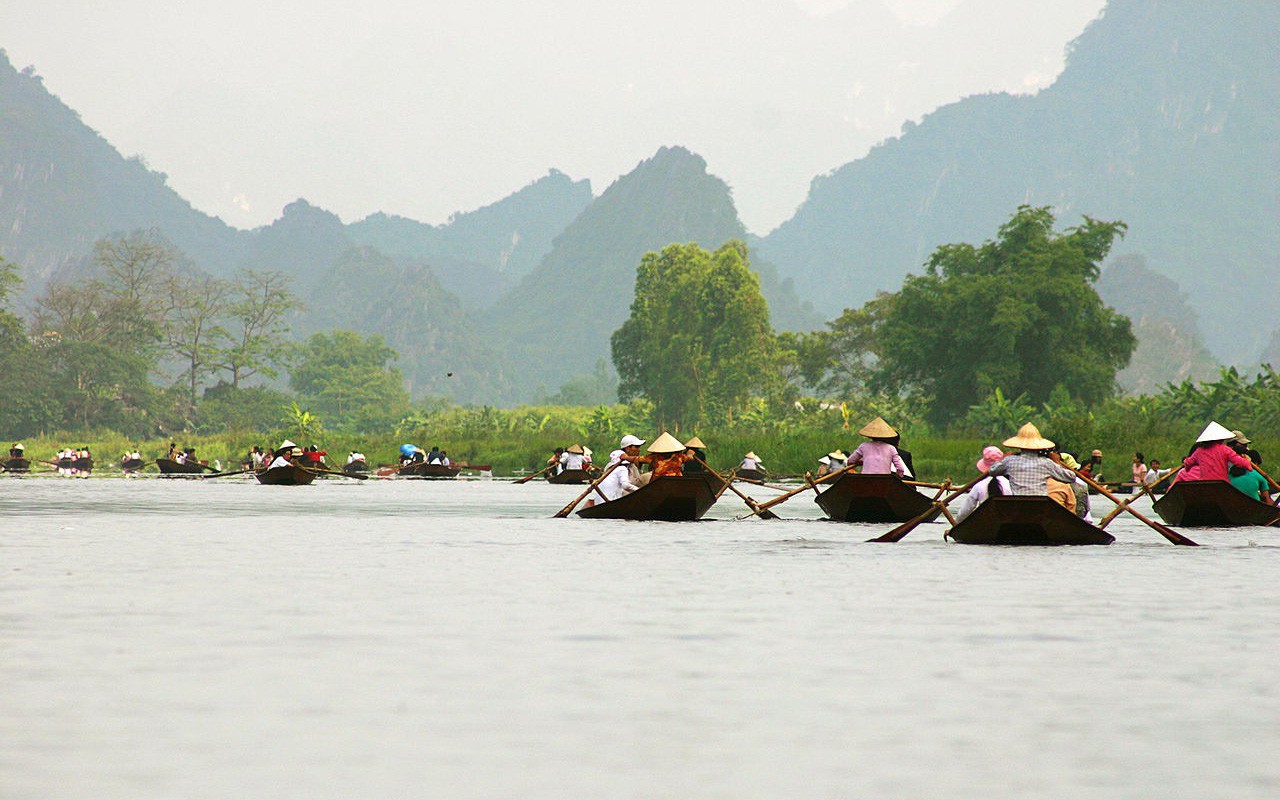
(1250,483)
(1028,471)
(877,458)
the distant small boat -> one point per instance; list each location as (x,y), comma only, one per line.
(421,469)
(132,464)
(1023,520)
(77,464)
(569,476)
(673,498)
(16,465)
(170,467)
(1213,504)
(356,468)
(855,497)
(290,475)
(750,474)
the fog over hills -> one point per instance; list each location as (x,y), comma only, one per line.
(1164,117)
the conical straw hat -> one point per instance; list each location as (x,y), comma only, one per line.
(666,443)
(695,442)
(575,449)
(1028,438)
(752,455)
(838,455)
(877,429)
(1213,432)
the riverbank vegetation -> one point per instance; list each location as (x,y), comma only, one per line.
(139,352)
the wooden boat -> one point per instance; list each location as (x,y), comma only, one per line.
(1213,504)
(1115,488)
(170,467)
(17,465)
(574,476)
(855,497)
(291,475)
(78,464)
(673,498)
(132,464)
(422,469)
(356,468)
(750,474)
(1022,520)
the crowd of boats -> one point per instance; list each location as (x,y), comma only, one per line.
(1032,496)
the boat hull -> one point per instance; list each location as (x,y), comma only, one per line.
(1035,521)
(750,474)
(1213,504)
(569,476)
(855,497)
(17,465)
(423,470)
(674,498)
(356,468)
(170,467)
(285,476)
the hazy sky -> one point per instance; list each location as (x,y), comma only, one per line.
(427,108)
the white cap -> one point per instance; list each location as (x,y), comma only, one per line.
(629,440)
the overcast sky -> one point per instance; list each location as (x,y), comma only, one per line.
(427,108)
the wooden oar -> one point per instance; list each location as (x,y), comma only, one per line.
(764,513)
(1160,528)
(810,484)
(1268,478)
(925,484)
(564,512)
(902,530)
(755,482)
(225,474)
(339,473)
(528,478)
(1115,512)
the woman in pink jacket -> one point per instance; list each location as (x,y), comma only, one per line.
(1211,457)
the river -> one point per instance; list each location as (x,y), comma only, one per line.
(416,639)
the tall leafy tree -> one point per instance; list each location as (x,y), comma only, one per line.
(25,402)
(698,343)
(195,334)
(1019,313)
(349,381)
(259,304)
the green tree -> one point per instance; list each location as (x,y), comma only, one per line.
(194,335)
(259,305)
(698,343)
(348,380)
(25,402)
(1019,313)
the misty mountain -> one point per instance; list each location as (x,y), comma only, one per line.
(62,187)
(1164,117)
(440,353)
(1170,346)
(479,254)
(557,322)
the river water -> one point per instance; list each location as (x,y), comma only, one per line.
(414,639)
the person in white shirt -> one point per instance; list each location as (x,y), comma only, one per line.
(573,458)
(626,477)
(750,461)
(979,493)
(285,456)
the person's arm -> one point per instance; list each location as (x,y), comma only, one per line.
(1239,460)
(1001,467)
(899,466)
(1061,473)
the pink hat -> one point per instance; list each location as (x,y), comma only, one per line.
(990,455)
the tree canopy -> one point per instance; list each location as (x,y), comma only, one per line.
(1019,313)
(698,343)
(345,376)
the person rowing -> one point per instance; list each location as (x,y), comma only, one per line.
(876,455)
(667,457)
(987,487)
(697,464)
(751,461)
(1211,456)
(573,457)
(1029,469)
